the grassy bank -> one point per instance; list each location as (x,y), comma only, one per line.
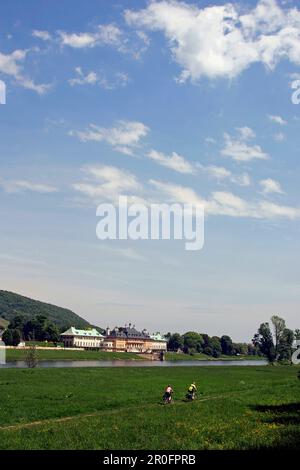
(68,355)
(115,408)
(170,356)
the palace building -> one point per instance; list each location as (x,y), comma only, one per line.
(123,339)
(87,339)
(128,339)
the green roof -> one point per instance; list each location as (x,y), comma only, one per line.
(158,337)
(87,333)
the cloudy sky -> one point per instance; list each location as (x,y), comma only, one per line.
(160,101)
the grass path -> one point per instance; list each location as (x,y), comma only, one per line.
(101,412)
(121,408)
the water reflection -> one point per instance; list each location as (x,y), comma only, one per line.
(49,364)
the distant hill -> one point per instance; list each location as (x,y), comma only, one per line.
(12,304)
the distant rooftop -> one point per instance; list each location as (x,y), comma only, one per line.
(87,333)
(158,337)
(129,332)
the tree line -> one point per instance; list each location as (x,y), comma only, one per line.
(214,346)
(38,328)
(274,341)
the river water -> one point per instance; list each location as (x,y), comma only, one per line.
(49,364)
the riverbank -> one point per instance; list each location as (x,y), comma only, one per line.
(171,356)
(71,355)
(53,354)
(114,408)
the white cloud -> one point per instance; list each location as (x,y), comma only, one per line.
(12,65)
(127,253)
(29,84)
(88,79)
(220,203)
(210,140)
(279,137)
(270,186)
(174,161)
(16,186)
(43,35)
(246,133)
(177,193)
(294,76)
(179,164)
(278,119)
(144,37)
(77,41)
(222,40)
(226,203)
(124,137)
(269,210)
(107,182)
(241,180)
(220,174)
(120,79)
(240,150)
(109,35)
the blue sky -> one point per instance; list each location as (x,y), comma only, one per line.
(165,101)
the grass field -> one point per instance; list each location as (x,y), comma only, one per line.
(69,355)
(120,408)
(170,356)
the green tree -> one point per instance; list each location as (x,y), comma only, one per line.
(276,346)
(297,334)
(208,351)
(175,342)
(253,350)
(263,339)
(17,323)
(7,337)
(16,337)
(31,357)
(51,333)
(11,337)
(227,345)
(216,346)
(285,345)
(41,323)
(208,345)
(41,329)
(279,327)
(192,342)
(240,348)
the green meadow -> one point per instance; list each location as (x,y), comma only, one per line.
(120,408)
(71,355)
(57,354)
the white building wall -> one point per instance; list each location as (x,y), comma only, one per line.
(82,342)
(159,346)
